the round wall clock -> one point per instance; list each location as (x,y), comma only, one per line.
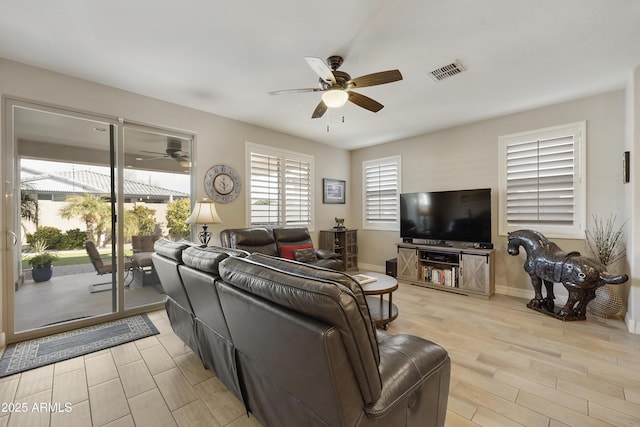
(222,184)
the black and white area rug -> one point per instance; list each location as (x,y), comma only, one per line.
(22,356)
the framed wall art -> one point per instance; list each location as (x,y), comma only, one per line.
(333,190)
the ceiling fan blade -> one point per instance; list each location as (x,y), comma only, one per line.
(365,102)
(321,69)
(375,79)
(147,159)
(281,92)
(154,152)
(320,110)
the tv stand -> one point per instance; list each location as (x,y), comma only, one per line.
(467,271)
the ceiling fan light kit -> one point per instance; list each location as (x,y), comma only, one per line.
(336,85)
(335,98)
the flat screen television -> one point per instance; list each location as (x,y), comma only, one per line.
(460,216)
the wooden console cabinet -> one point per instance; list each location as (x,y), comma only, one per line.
(467,271)
(344,243)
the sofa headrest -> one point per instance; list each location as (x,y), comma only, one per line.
(207,259)
(344,279)
(291,235)
(320,299)
(169,249)
(231,252)
(251,237)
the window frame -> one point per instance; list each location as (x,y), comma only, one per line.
(283,155)
(378,224)
(574,231)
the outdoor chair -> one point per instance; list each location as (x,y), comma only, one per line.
(144,272)
(105,266)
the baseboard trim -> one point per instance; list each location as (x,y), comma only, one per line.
(371,267)
(560,293)
(633,326)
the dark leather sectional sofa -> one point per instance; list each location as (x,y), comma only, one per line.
(274,241)
(296,344)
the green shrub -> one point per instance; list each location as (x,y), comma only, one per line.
(51,236)
(177,213)
(145,219)
(73,239)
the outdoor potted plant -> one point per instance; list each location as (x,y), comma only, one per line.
(40,263)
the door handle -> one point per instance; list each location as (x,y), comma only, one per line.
(14,238)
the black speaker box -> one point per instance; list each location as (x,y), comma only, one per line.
(392,267)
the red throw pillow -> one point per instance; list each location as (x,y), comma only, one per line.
(286,251)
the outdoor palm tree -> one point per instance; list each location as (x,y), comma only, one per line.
(29,204)
(94,210)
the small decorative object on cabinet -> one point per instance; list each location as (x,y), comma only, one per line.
(343,242)
(461,270)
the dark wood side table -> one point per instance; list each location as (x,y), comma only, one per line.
(383,311)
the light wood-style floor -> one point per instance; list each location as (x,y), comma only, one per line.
(511,367)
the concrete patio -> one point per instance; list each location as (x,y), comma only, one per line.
(67,296)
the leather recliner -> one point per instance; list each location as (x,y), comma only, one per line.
(278,242)
(308,354)
(166,258)
(297,345)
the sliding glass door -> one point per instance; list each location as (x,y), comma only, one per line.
(156,189)
(88,195)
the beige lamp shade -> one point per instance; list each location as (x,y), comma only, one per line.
(204,212)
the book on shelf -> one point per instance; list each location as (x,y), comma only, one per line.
(363,279)
(440,276)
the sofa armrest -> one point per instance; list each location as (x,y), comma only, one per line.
(415,375)
(326,254)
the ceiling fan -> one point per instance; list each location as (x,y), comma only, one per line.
(336,85)
(173,151)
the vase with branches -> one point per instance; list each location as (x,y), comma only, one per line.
(605,240)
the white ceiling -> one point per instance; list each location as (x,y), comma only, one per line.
(223,56)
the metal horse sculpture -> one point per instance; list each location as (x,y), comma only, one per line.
(547,263)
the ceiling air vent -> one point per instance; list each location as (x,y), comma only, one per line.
(447,71)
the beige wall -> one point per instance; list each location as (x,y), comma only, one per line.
(466,157)
(632,196)
(218,139)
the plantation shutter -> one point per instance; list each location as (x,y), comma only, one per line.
(280,187)
(541,181)
(297,192)
(266,196)
(381,186)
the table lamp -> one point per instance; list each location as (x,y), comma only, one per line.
(204,213)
